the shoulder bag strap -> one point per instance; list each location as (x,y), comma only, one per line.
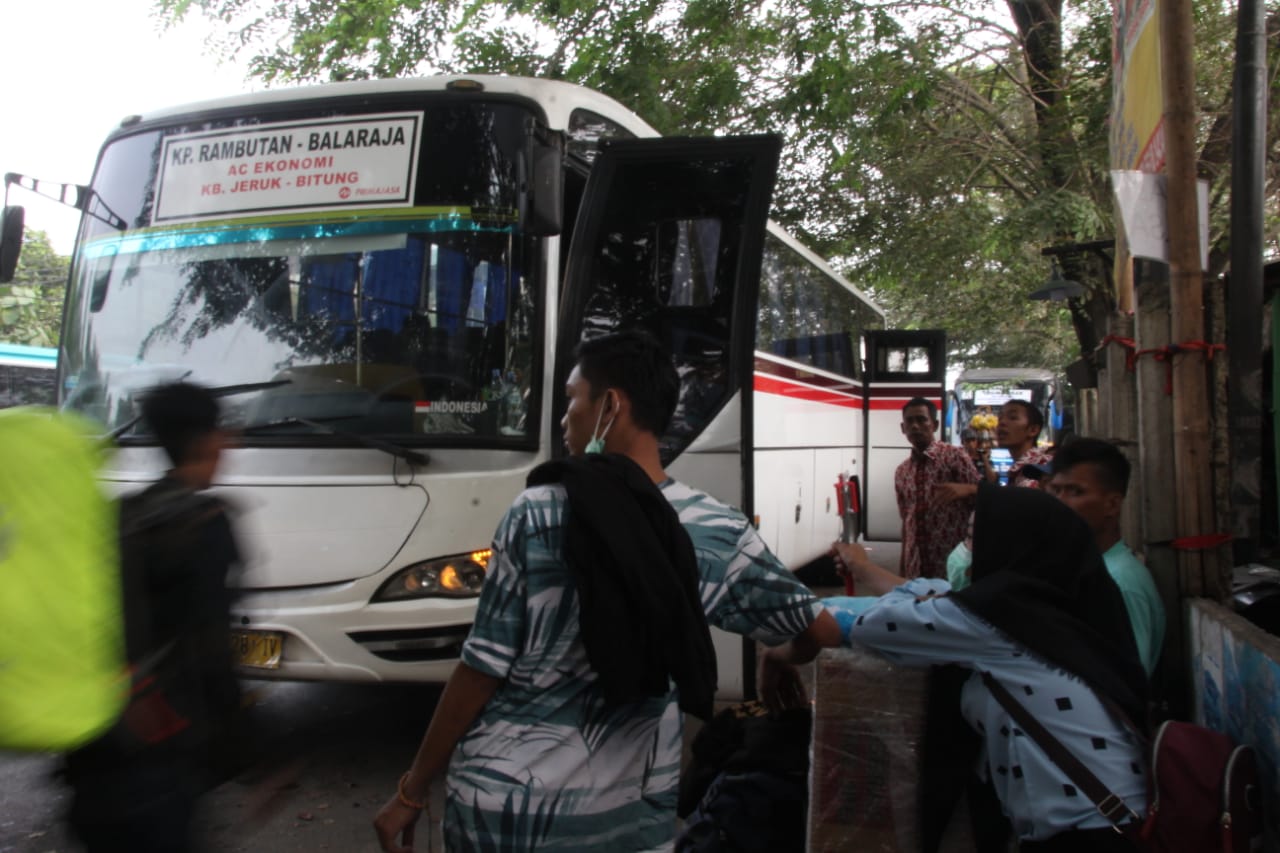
(1109,805)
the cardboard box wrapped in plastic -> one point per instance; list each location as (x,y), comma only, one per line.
(868,733)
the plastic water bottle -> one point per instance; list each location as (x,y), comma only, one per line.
(494,391)
(512,405)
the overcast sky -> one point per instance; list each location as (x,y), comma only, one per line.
(71,70)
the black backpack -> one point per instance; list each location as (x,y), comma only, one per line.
(184,699)
(746,787)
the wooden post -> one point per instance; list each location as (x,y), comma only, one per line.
(1191,439)
(1087,411)
(1099,403)
(1157,471)
(1120,413)
(1223,474)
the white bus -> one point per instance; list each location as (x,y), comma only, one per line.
(27,375)
(387,279)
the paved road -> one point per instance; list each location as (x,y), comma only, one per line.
(354,741)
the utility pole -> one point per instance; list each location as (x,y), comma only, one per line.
(1199,571)
(1244,323)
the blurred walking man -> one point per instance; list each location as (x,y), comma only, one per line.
(136,787)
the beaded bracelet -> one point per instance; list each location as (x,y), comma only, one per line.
(404,800)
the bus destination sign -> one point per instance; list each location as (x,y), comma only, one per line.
(323,164)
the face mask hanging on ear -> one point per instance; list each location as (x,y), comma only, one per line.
(596,444)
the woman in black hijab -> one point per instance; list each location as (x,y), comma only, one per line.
(1045,620)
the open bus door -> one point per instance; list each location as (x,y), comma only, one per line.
(669,239)
(900,364)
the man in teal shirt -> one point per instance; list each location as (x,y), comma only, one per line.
(1092,476)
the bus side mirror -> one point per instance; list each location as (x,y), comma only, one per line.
(544,202)
(11,230)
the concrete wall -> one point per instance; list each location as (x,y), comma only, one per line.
(1235,671)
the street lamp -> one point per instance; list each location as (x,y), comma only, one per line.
(1057,288)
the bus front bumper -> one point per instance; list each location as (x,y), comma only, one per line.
(332,633)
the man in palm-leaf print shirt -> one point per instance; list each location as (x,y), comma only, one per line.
(536,759)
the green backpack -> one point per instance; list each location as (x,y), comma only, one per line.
(63,676)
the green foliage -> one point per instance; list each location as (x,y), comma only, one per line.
(933,147)
(31,306)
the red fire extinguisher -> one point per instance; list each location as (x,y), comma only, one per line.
(847,506)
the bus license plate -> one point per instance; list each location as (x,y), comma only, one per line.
(258,649)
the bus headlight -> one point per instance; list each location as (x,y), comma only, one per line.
(461,576)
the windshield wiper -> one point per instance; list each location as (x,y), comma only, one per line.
(414,456)
(219,391)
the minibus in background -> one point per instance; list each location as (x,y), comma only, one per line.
(27,375)
(386,280)
(983,390)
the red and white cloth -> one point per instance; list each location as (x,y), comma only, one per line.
(1034,456)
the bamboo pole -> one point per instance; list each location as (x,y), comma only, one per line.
(1191,438)
(1120,415)
(1158,501)
(1086,411)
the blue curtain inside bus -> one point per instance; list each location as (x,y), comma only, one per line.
(465,293)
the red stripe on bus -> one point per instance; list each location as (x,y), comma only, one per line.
(799,374)
(773,385)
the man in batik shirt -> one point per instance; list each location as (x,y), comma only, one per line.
(1017,431)
(935,487)
(541,761)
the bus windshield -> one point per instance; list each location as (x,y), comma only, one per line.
(414,321)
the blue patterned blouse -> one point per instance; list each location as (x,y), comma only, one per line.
(1038,798)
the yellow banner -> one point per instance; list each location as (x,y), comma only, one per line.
(1137,113)
(1137,126)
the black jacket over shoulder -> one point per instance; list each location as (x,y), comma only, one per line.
(636,574)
